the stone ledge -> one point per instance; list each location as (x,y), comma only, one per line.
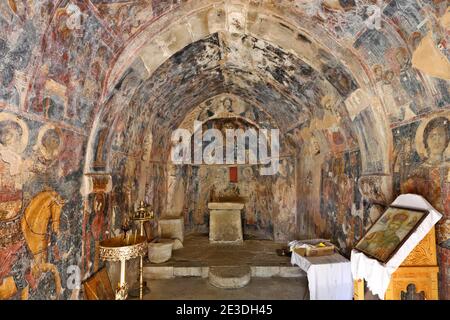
(154,272)
(190,271)
(230,277)
(169,272)
(225,206)
(275,271)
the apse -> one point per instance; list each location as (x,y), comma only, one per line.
(225,76)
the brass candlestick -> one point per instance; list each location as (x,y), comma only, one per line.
(141,215)
(123,248)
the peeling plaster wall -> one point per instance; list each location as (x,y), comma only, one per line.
(90,92)
(285,89)
(270,210)
(421,166)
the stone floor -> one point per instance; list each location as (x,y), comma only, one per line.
(195,288)
(198,251)
(197,255)
(185,275)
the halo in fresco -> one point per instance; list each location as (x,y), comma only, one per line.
(20,145)
(50,141)
(220,174)
(420,146)
(247,173)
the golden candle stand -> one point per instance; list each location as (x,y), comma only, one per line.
(141,215)
(123,248)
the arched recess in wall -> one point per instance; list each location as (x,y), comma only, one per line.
(158,41)
(269,212)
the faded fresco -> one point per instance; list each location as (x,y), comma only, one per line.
(91,91)
(39,178)
(421,166)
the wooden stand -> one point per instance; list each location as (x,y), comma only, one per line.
(419,271)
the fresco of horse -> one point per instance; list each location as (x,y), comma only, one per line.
(43,209)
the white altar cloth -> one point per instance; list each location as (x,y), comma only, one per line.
(378,275)
(329,277)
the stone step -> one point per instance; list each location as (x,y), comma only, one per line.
(277,271)
(230,277)
(153,272)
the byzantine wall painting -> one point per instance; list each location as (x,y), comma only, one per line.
(46,100)
(174,190)
(421,166)
(269,211)
(40,222)
(341,184)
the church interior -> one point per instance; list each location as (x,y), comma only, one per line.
(94,205)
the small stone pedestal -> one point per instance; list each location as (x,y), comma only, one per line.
(159,252)
(225,225)
(172,228)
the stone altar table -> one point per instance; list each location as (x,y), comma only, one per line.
(225,225)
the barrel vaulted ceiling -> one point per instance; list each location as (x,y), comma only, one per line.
(284,86)
(91,64)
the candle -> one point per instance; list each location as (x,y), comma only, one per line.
(113,218)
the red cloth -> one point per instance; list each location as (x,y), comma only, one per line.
(233,174)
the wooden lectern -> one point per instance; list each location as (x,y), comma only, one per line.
(417,276)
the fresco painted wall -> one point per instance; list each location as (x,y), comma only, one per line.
(51,70)
(421,167)
(41,208)
(269,211)
(90,92)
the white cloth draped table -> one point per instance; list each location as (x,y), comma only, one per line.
(329,277)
